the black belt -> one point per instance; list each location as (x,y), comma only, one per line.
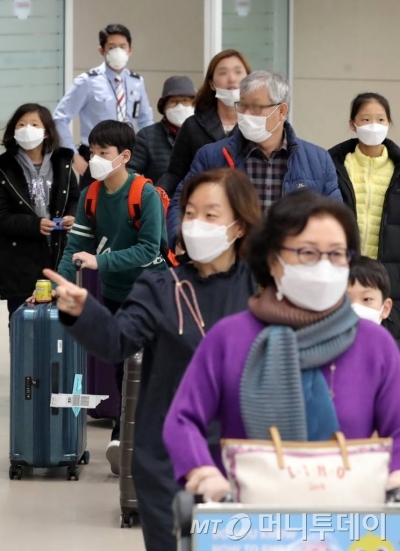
(84,151)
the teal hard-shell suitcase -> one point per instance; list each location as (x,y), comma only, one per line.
(44,360)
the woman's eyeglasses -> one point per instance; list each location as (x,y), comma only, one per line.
(312,255)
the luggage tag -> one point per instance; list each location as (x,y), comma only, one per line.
(77,390)
(87,401)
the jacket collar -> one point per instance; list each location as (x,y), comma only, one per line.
(15,176)
(60,159)
(340,151)
(237,143)
(165,131)
(211,123)
(9,162)
(249,147)
(375,162)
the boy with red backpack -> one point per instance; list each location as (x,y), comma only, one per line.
(119,228)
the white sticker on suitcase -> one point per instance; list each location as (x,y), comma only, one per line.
(76,400)
(59,346)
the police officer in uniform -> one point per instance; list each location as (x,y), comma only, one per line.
(106,92)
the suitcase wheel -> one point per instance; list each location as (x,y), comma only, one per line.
(72,472)
(15,472)
(131,520)
(85,459)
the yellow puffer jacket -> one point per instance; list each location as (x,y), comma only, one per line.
(370,177)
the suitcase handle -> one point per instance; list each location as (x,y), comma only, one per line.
(55,383)
(78,266)
(29,383)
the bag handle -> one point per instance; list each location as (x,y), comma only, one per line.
(277,442)
(341,440)
(195,311)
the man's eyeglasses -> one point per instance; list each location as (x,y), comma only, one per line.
(242,107)
(312,255)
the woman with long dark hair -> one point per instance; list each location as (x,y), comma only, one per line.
(214,118)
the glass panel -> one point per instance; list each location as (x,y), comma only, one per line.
(32,54)
(260,30)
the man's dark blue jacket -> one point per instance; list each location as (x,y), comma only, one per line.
(309,166)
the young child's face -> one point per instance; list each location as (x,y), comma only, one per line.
(371,298)
(110,153)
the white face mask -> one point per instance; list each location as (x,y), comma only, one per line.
(253,127)
(29,137)
(117,58)
(178,114)
(365,312)
(372,134)
(101,168)
(205,242)
(228,97)
(316,288)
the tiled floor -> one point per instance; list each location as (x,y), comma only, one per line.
(45,512)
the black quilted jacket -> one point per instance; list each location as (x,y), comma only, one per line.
(198,130)
(152,151)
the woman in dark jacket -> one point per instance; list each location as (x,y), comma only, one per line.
(368,169)
(154,143)
(168,314)
(37,185)
(215,115)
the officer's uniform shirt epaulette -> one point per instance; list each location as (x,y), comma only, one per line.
(134,75)
(93,72)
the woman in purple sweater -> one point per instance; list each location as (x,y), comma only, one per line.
(299,358)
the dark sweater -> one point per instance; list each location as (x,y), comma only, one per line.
(152,151)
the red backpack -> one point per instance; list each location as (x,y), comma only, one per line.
(134,206)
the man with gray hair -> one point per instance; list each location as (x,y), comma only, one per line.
(265,147)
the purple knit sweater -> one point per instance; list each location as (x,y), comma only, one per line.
(366,386)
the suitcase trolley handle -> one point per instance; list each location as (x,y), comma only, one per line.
(78,266)
(29,383)
(182,507)
(55,383)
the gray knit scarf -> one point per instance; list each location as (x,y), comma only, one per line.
(282,384)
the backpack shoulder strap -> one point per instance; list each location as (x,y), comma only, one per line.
(135,198)
(91,199)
